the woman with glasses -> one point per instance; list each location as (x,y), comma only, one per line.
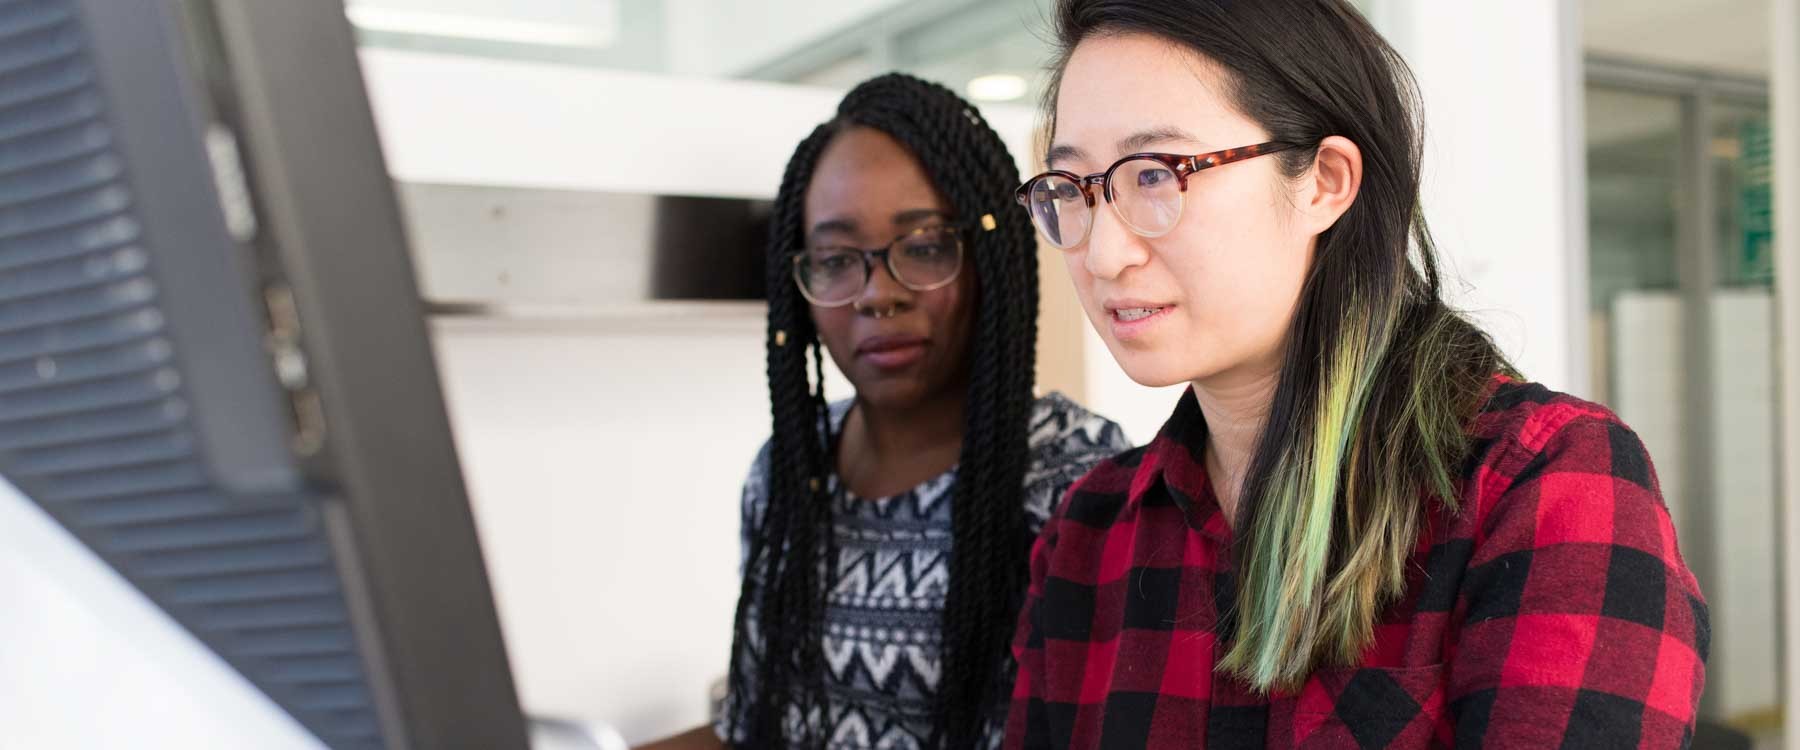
(1360,527)
(886,534)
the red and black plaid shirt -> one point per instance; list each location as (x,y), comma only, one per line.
(1553,611)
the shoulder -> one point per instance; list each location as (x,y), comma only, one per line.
(1102,493)
(1552,470)
(1519,408)
(1564,538)
(837,410)
(1065,441)
(756,482)
(1060,427)
(756,488)
(1525,431)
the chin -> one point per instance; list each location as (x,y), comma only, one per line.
(1149,368)
(1154,379)
(890,393)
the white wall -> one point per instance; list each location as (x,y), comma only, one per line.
(604,460)
(598,18)
(1729,36)
(88,662)
(1496,81)
(472,121)
(1647,347)
(1746,501)
(730,37)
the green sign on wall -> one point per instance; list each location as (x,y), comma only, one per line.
(1754,256)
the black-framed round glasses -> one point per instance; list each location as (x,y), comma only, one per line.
(923,259)
(1144,190)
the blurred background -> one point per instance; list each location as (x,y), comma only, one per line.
(1599,173)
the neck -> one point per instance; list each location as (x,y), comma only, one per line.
(1236,406)
(915,429)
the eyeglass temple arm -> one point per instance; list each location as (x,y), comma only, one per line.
(1198,162)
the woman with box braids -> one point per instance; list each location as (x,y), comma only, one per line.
(886,536)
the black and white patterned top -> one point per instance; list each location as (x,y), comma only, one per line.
(883,615)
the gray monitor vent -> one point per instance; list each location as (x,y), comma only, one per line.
(94,424)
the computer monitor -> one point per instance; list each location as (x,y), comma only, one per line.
(213,368)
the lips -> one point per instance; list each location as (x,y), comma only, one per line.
(1132,317)
(892,352)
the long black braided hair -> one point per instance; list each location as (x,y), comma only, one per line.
(792,550)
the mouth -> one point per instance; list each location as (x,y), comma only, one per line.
(892,352)
(1134,314)
(1132,318)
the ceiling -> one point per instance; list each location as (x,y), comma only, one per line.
(837,42)
(1724,36)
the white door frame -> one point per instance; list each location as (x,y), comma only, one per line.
(1784,108)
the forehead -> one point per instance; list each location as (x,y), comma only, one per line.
(864,173)
(1118,85)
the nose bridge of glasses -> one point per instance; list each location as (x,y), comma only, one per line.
(1103,180)
(879,263)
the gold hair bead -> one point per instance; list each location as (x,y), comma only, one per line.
(988,223)
(781,338)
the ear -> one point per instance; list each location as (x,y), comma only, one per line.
(1335,179)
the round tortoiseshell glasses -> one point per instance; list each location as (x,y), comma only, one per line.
(1143,189)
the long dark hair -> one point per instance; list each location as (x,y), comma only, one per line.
(1380,376)
(970,166)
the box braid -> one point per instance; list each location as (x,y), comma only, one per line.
(793,544)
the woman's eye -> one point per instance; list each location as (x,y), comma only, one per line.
(1067,192)
(925,250)
(832,263)
(1154,177)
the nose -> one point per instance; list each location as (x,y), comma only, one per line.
(1111,246)
(883,293)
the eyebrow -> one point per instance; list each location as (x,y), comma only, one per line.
(1142,139)
(1128,145)
(917,215)
(1062,152)
(909,216)
(834,225)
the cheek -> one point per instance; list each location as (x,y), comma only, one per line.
(1231,266)
(833,325)
(1076,263)
(1241,270)
(949,309)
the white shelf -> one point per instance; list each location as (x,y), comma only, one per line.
(748,316)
